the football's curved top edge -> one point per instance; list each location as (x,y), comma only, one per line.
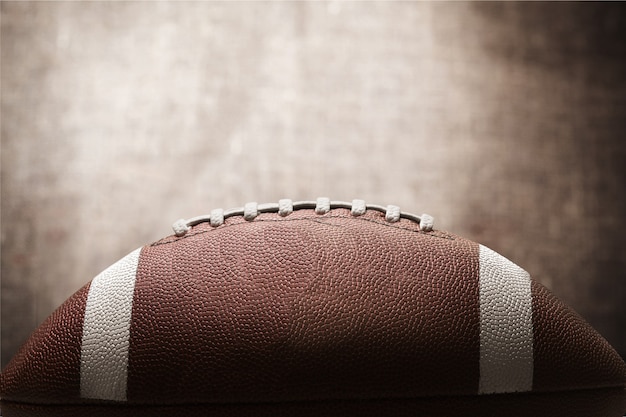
(284,207)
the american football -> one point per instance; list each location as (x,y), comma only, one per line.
(314,308)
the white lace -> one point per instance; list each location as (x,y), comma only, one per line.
(285,207)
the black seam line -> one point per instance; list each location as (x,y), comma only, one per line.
(105,403)
(320,220)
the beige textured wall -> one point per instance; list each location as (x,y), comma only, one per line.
(504,121)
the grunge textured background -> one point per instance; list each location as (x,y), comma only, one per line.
(505,121)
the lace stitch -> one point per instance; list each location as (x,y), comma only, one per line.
(285,207)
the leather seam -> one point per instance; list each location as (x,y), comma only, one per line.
(327,400)
(321,220)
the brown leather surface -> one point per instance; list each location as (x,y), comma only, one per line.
(593,403)
(314,315)
(47,367)
(305,307)
(569,353)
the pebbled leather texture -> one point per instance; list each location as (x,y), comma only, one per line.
(330,313)
(305,308)
(47,368)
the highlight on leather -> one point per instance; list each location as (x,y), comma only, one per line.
(314,308)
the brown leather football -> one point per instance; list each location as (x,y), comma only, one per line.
(314,309)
